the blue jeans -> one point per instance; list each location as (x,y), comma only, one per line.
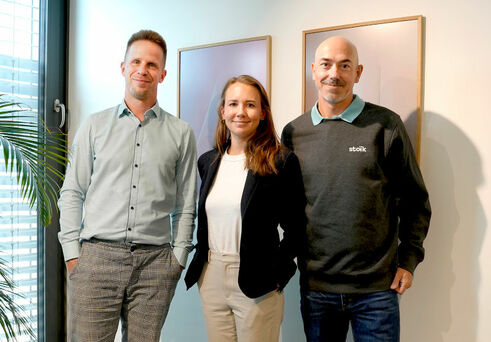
(374,316)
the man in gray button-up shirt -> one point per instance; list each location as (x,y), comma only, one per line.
(128,206)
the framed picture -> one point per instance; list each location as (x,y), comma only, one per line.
(391,52)
(203,72)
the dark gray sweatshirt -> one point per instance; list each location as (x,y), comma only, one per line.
(367,206)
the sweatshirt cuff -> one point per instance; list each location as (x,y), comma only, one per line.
(409,263)
(71,250)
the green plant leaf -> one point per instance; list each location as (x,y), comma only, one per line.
(29,152)
(12,319)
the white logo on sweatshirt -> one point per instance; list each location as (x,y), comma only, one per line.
(358,149)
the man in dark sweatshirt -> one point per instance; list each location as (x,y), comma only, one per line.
(367,206)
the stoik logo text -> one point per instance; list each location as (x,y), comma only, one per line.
(358,149)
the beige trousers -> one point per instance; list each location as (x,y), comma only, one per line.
(230,315)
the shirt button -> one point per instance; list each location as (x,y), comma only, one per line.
(132,248)
(132,208)
(129,229)
(136,165)
(139,125)
(137,144)
(134,186)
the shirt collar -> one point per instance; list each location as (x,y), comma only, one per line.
(154,111)
(349,114)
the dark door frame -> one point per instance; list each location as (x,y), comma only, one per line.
(52,85)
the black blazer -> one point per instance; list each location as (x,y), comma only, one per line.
(266,263)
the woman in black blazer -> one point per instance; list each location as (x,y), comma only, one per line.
(249,187)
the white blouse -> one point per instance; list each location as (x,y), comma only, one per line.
(223,205)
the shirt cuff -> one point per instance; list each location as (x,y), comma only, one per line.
(71,250)
(181,255)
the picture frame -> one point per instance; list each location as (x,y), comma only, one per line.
(391,52)
(202,73)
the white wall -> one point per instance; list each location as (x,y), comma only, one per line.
(451,297)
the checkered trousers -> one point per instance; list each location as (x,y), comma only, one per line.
(113,281)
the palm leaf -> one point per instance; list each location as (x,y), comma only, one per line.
(29,154)
(33,155)
(12,319)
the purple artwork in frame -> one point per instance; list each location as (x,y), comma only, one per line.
(203,72)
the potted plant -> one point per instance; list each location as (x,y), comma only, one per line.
(30,152)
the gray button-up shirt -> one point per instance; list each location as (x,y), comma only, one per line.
(130,181)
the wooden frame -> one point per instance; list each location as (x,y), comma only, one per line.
(391,51)
(203,71)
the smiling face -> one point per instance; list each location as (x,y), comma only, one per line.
(242,111)
(335,71)
(143,69)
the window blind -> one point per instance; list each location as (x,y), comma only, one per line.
(19,78)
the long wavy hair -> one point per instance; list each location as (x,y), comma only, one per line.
(263,147)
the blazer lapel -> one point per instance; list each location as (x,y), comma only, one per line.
(249,189)
(208,181)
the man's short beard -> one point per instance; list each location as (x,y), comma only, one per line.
(330,100)
(332,82)
(138,95)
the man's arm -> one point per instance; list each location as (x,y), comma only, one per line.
(292,218)
(413,207)
(72,194)
(286,137)
(185,210)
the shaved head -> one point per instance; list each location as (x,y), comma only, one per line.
(335,71)
(337,43)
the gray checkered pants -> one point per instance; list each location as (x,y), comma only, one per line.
(113,281)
